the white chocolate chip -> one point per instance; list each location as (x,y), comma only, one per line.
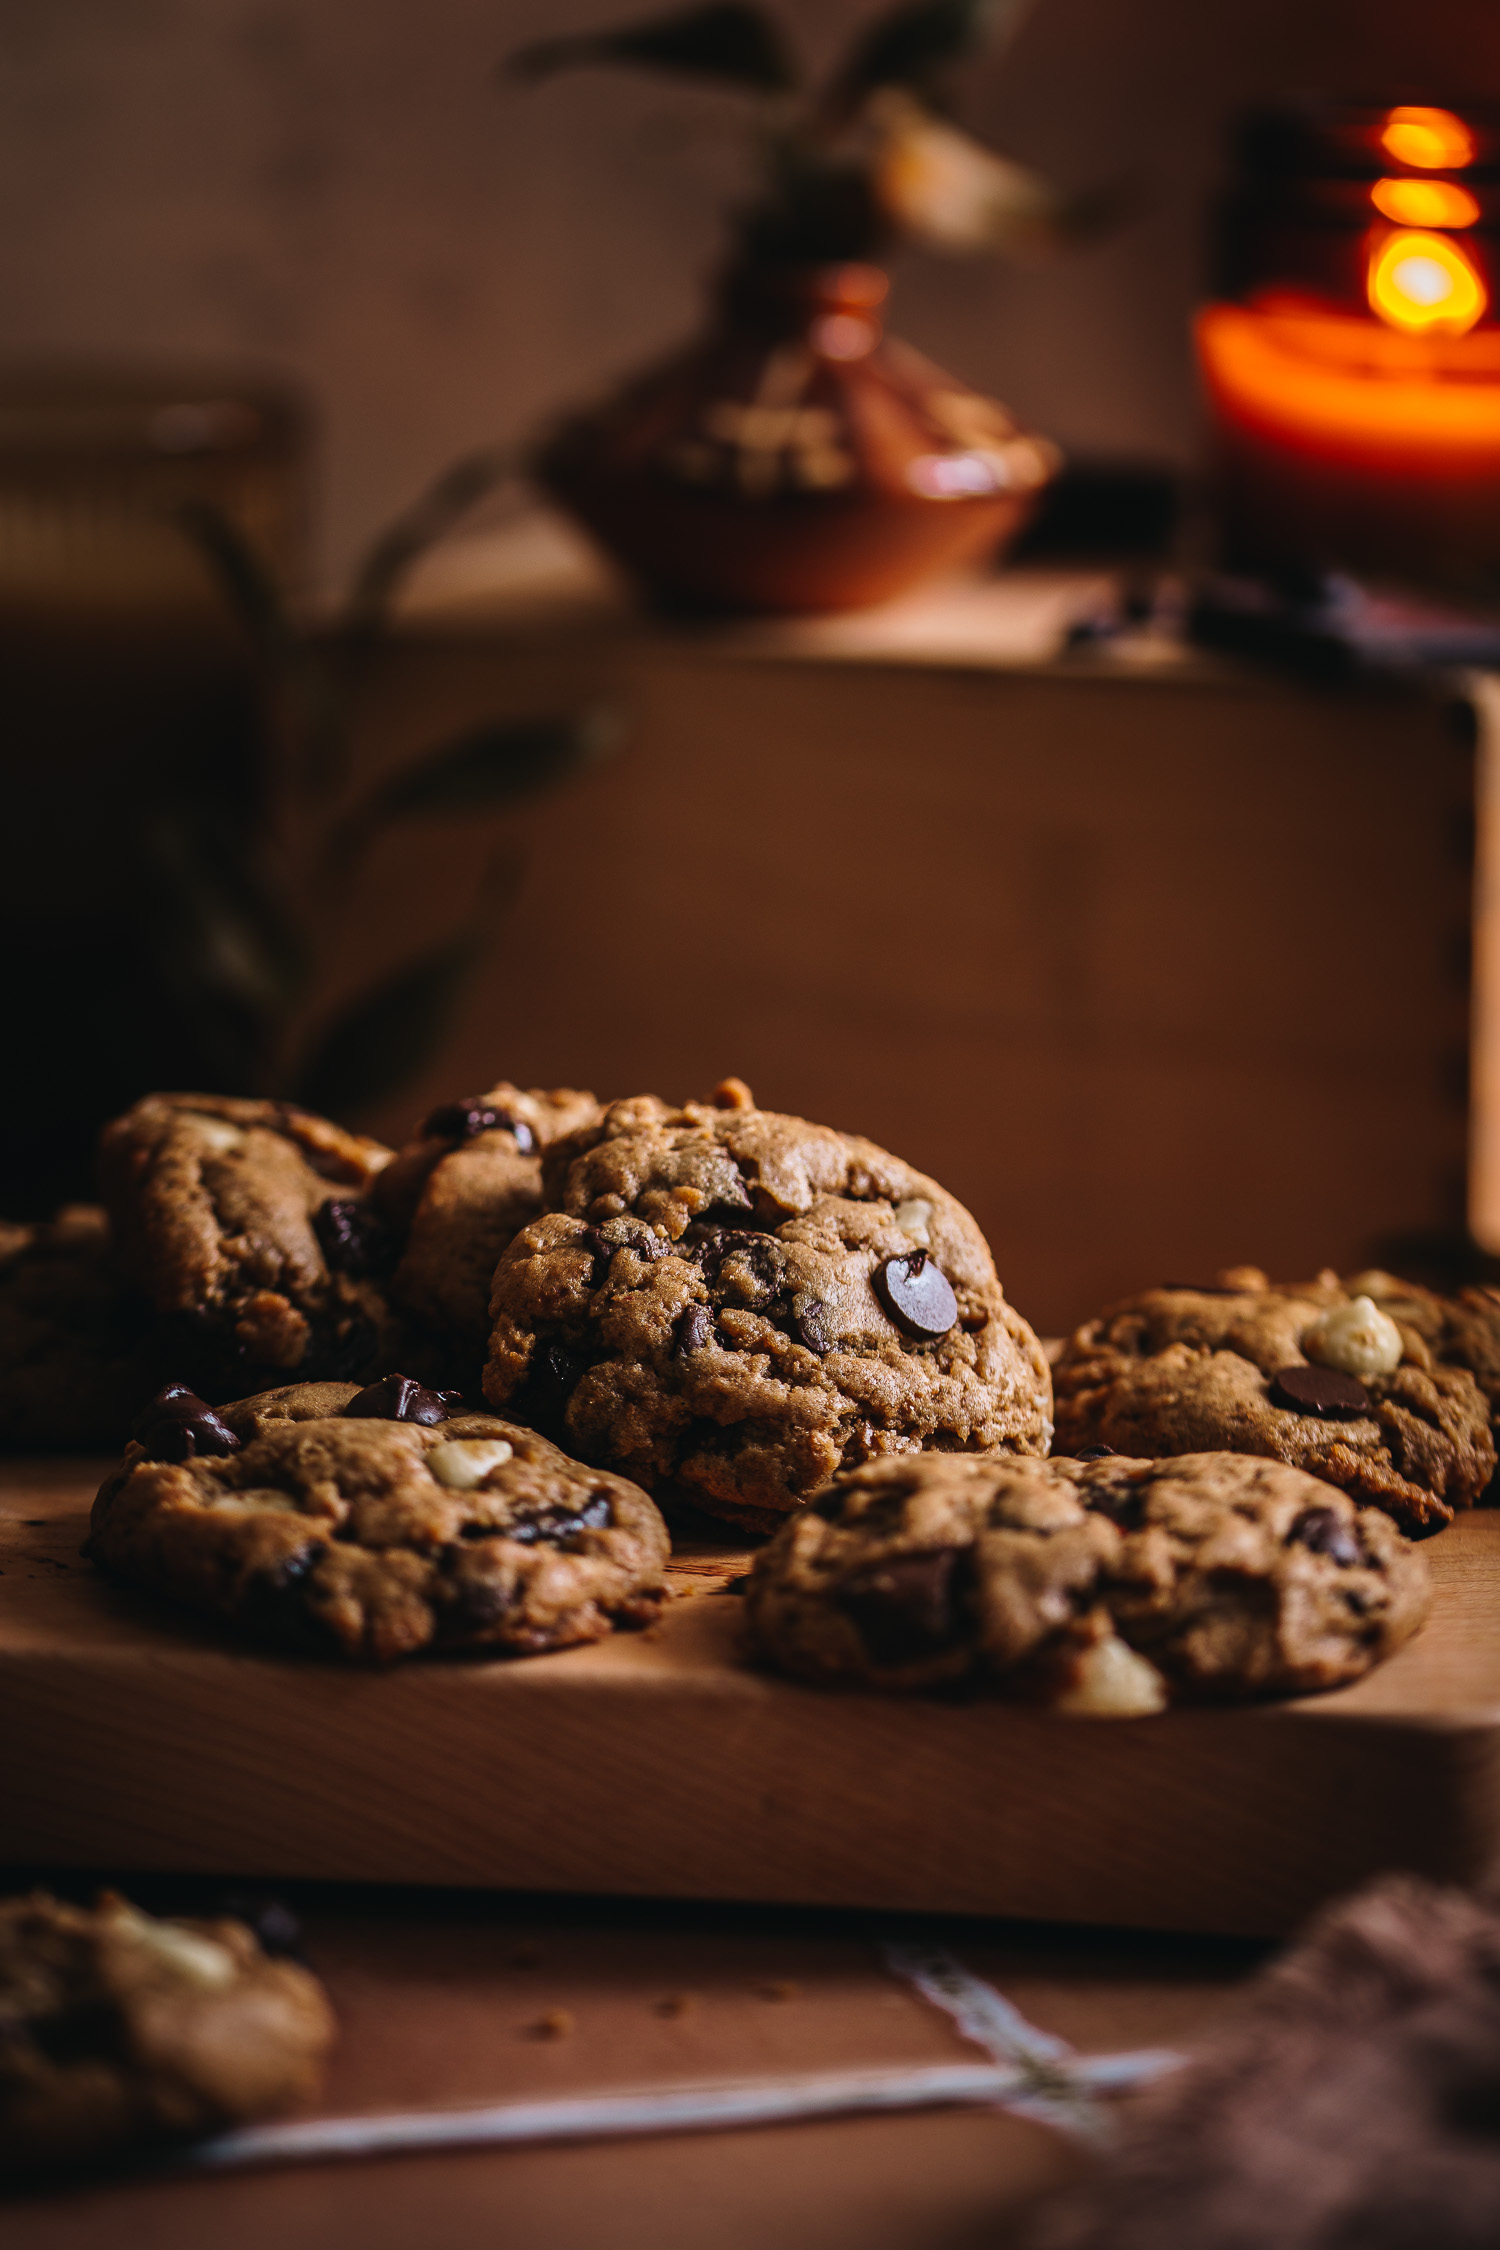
(914,1217)
(216,1133)
(461,1463)
(1110,1681)
(196,1959)
(1358,1338)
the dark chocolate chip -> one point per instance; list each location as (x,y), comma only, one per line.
(1096,1453)
(1325,1533)
(461,1121)
(918,1296)
(178,1425)
(354,1239)
(276,1928)
(810,1325)
(400,1398)
(695,1328)
(1319,1390)
(903,1610)
(552,1382)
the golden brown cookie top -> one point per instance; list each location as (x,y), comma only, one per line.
(372,1524)
(740,1302)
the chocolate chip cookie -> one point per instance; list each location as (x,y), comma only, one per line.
(77,1355)
(374,1524)
(249,1227)
(1256,1368)
(1101,1587)
(738,1303)
(467,1182)
(119,2032)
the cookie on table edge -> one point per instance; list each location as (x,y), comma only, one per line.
(736,1303)
(376,1524)
(1255,1368)
(122,2032)
(1103,1587)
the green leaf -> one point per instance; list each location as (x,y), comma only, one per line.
(497,764)
(222,936)
(252,591)
(728,41)
(389,1034)
(914,45)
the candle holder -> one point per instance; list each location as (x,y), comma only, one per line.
(1351,354)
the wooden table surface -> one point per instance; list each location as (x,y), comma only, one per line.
(666,1764)
(439,1995)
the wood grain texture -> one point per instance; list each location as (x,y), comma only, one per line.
(662,1764)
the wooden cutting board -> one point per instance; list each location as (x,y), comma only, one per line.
(663,1764)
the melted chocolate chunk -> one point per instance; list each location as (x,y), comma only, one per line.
(462,1120)
(553,1527)
(713,1247)
(354,1239)
(470,1602)
(695,1328)
(1325,1533)
(1096,1453)
(178,1425)
(918,1296)
(400,1398)
(903,1610)
(1319,1390)
(809,1324)
(1124,1504)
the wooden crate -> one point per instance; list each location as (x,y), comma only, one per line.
(1157,968)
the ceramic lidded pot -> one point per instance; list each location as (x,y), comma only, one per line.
(796,458)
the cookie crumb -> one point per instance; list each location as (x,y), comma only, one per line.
(555,2024)
(673,2004)
(733,1093)
(778,1988)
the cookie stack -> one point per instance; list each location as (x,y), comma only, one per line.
(437,1398)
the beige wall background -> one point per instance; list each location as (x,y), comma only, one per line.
(338,189)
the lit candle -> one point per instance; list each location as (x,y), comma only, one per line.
(1370,437)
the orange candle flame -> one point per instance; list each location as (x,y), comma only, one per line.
(1423,282)
(1425,203)
(1433,140)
